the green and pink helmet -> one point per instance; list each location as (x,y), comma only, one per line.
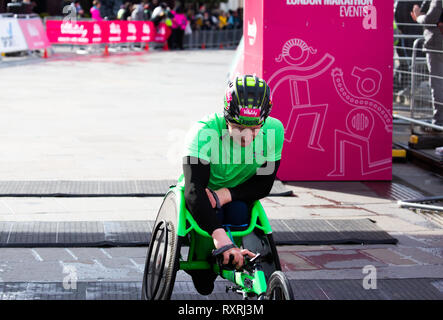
(247,101)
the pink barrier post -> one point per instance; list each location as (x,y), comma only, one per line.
(330,66)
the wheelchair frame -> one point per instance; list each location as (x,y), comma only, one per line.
(255,283)
(250,281)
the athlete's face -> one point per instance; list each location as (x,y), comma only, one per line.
(243,135)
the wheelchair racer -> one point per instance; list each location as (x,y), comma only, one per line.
(231,160)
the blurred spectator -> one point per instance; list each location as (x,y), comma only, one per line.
(109,8)
(137,12)
(405,25)
(147,10)
(159,14)
(204,17)
(120,12)
(203,9)
(207,23)
(197,20)
(79,9)
(178,27)
(222,20)
(125,13)
(21,6)
(234,21)
(95,10)
(29,6)
(154,4)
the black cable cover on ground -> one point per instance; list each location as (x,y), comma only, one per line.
(129,188)
(138,233)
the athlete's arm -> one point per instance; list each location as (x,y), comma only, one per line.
(256,187)
(196,173)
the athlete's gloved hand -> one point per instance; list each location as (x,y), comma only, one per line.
(238,256)
(221,239)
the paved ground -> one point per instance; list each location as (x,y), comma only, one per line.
(113,118)
(94,118)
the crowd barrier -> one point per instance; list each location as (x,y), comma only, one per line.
(201,39)
(22,33)
(105,32)
(126,34)
(412,90)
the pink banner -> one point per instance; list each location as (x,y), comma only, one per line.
(34,33)
(93,32)
(145,31)
(163,33)
(329,64)
(80,32)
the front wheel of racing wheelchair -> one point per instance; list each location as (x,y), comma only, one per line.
(175,228)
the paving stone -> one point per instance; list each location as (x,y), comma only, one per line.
(388,256)
(422,256)
(32,269)
(339,259)
(306,248)
(53,254)
(15,255)
(438,285)
(290,261)
(136,252)
(402,289)
(85,254)
(397,225)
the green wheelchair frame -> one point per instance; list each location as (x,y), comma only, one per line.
(175,227)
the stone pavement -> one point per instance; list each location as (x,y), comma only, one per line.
(417,257)
(95,118)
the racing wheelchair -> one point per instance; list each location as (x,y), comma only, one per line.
(178,243)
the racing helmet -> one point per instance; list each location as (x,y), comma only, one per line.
(247,101)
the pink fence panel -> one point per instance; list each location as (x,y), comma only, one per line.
(34,33)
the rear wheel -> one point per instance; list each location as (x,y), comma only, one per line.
(279,287)
(162,261)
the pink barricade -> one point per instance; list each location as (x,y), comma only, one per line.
(81,32)
(22,34)
(96,32)
(34,33)
(329,64)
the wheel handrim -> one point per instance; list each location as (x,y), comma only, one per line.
(157,260)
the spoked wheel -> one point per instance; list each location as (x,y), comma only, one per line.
(162,261)
(279,287)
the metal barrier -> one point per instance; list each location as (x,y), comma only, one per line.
(412,92)
(19,16)
(201,39)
